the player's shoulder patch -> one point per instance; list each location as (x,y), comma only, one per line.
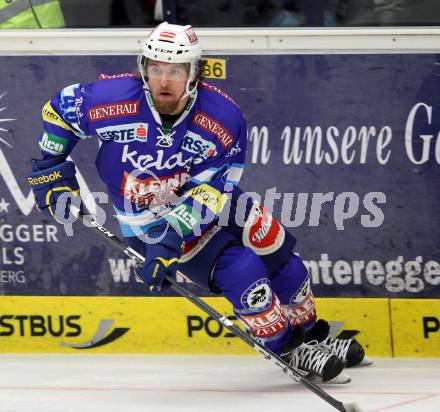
(51,116)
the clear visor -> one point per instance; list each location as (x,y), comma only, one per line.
(167,71)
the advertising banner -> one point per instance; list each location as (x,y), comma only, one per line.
(345,149)
(166,325)
(416,327)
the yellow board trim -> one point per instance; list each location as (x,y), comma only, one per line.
(416,327)
(159,325)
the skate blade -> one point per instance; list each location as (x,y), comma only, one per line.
(364,362)
(342,379)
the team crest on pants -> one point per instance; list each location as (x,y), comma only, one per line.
(258,296)
(262,233)
(301,295)
(301,309)
(268,323)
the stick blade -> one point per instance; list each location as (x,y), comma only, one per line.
(352,407)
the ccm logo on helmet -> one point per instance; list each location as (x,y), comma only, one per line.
(157,49)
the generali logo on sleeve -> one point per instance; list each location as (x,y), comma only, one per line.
(118,109)
(214,127)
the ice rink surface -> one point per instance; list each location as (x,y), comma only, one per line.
(110,383)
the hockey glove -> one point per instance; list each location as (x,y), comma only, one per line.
(49,180)
(161,258)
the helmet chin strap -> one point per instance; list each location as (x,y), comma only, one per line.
(188,91)
(142,72)
(191,76)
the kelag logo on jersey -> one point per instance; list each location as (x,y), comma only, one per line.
(124,133)
(194,143)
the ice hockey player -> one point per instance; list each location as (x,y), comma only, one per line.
(172,151)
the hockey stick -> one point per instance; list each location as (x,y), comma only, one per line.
(275,359)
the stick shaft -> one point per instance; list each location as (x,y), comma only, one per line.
(275,359)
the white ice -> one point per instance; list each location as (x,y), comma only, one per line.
(110,383)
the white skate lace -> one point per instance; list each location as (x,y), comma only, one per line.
(309,357)
(164,140)
(337,347)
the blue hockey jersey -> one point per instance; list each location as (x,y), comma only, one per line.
(180,173)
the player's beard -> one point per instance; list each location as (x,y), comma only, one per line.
(167,104)
(166,107)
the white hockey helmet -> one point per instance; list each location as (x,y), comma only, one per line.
(172,43)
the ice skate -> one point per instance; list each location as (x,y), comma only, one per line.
(311,362)
(350,351)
